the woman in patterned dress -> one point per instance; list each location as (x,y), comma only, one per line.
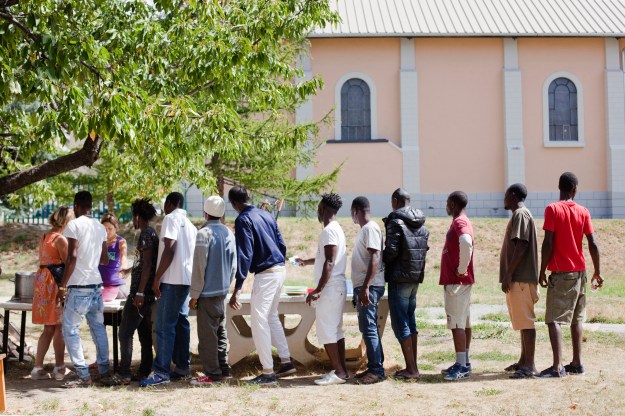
(47,310)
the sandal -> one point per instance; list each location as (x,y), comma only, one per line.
(361,375)
(512,368)
(370,378)
(115,380)
(400,375)
(522,373)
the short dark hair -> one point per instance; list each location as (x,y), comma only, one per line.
(519,190)
(176,199)
(459,198)
(361,203)
(568,182)
(144,209)
(332,201)
(401,196)
(238,194)
(83,199)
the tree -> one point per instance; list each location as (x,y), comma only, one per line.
(155,89)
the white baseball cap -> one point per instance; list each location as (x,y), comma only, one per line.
(215,206)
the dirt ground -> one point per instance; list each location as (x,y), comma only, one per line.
(489,391)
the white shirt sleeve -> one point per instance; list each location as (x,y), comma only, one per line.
(169,229)
(466,249)
(71,231)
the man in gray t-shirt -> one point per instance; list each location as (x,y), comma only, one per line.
(518,275)
(368,282)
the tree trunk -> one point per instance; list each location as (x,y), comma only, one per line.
(110,202)
(83,157)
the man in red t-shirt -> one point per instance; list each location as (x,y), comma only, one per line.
(457,279)
(565,225)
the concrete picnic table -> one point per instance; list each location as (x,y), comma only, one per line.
(240,333)
(112,317)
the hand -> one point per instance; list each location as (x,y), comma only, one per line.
(60,295)
(234,300)
(193,304)
(597,279)
(543,279)
(363,297)
(465,274)
(312,296)
(505,285)
(138,300)
(156,288)
(300,261)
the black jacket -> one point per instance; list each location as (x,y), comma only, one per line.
(406,246)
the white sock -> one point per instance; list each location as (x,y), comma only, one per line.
(461,358)
(35,369)
(268,372)
(285,360)
(467,356)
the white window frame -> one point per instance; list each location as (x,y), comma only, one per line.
(373,105)
(581,142)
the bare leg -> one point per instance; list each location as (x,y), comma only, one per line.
(408,352)
(528,346)
(44,343)
(415,338)
(341,345)
(59,347)
(460,339)
(335,359)
(468,334)
(555,336)
(576,338)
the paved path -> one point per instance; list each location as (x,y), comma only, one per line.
(436,315)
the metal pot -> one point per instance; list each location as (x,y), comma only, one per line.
(24,286)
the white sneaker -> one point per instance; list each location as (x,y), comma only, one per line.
(329,379)
(59,373)
(39,374)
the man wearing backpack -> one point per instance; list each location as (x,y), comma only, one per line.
(404,261)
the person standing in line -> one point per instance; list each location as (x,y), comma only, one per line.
(137,312)
(46,308)
(457,278)
(81,289)
(518,275)
(404,260)
(331,291)
(214,267)
(261,250)
(566,223)
(171,287)
(368,283)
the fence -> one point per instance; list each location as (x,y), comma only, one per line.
(40,215)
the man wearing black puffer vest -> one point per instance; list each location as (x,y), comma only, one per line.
(404,261)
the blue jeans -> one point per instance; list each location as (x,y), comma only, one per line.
(85,303)
(402,303)
(368,325)
(173,331)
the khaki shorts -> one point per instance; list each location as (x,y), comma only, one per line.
(566,298)
(458,306)
(521,300)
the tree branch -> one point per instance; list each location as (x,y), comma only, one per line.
(83,157)
(9,18)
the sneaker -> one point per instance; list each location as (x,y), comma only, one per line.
(174,376)
(205,381)
(574,369)
(446,371)
(457,372)
(264,380)
(60,373)
(330,379)
(553,373)
(286,369)
(39,374)
(139,377)
(153,380)
(78,383)
(115,380)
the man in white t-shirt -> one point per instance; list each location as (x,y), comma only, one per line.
(81,289)
(172,284)
(368,282)
(330,294)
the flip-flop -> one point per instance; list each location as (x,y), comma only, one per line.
(522,373)
(512,368)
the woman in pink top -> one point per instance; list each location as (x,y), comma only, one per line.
(113,273)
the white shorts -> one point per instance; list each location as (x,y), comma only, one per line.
(329,314)
(458,306)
